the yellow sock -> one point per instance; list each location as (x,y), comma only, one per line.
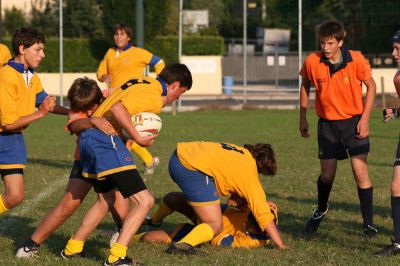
(200,234)
(162,212)
(117,251)
(3,208)
(143,153)
(74,246)
(137,237)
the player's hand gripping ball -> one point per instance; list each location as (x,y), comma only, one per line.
(146,124)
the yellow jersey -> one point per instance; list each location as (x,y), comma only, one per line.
(234,171)
(20,91)
(234,233)
(127,63)
(137,95)
(5,54)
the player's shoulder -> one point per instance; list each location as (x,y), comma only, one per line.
(396,78)
(356,55)
(313,57)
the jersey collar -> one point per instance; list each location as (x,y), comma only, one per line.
(163,85)
(129,45)
(346,59)
(19,67)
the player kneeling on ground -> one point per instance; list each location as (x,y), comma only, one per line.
(240,229)
(207,170)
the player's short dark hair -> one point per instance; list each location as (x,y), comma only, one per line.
(123,27)
(264,156)
(26,37)
(332,28)
(84,94)
(177,72)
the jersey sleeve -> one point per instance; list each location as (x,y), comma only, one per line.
(305,71)
(364,71)
(72,117)
(103,67)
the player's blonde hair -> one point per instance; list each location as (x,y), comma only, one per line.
(264,156)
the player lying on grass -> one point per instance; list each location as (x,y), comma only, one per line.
(207,170)
(20,92)
(240,229)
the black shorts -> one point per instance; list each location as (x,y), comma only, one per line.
(127,182)
(337,139)
(13,171)
(76,172)
(397,160)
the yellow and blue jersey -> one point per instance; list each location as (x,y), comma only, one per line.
(5,54)
(234,233)
(126,63)
(234,171)
(20,92)
(102,155)
(137,95)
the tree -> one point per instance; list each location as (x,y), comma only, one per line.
(124,11)
(13,19)
(46,21)
(81,19)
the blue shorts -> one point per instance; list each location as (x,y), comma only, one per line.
(199,188)
(103,155)
(12,150)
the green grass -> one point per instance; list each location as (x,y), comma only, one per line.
(340,240)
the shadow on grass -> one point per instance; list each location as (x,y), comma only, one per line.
(295,224)
(62,164)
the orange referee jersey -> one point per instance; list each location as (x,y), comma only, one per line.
(338,95)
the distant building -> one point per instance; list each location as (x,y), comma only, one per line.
(194,20)
(24,5)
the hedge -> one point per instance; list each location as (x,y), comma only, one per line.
(84,55)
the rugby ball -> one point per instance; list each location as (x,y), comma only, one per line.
(146,124)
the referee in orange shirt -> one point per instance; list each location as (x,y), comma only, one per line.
(343,126)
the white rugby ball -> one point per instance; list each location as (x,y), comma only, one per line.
(146,124)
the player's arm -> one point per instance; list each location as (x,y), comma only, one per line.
(60,110)
(157,63)
(100,123)
(123,117)
(102,72)
(273,233)
(393,113)
(396,81)
(304,97)
(24,121)
(363,124)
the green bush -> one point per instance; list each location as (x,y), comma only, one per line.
(84,55)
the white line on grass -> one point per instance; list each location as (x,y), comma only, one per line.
(29,206)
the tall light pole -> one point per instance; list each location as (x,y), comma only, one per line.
(244,49)
(300,37)
(61,53)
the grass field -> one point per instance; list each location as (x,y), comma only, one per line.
(340,240)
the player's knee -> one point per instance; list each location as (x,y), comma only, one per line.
(66,209)
(13,199)
(217,228)
(147,201)
(395,187)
